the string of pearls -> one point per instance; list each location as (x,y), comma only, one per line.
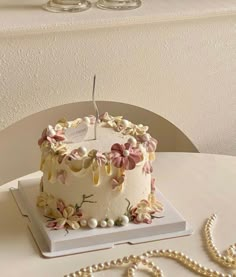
(228,260)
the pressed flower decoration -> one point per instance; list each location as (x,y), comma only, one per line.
(45,199)
(148,142)
(145,210)
(142,212)
(74,155)
(125,156)
(135,130)
(64,217)
(110,121)
(153,185)
(121,156)
(124,126)
(118,182)
(156,205)
(51,135)
(62,124)
(147,168)
(61,176)
(58,214)
(94,158)
(58,148)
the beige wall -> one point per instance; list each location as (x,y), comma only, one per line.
(184,71)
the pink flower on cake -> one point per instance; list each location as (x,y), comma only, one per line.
(61,176)
(148,142)
(51,135)
(125,156)
(117,182)
(64,217)
(105,117)
(147,168)
(100,158)
(142,212)
(74,155)
(153,185)
(94,158)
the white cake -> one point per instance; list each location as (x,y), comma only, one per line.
(100,182)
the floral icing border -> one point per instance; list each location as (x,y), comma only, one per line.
(122,156)
(59,216)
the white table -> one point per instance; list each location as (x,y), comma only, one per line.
(197,184)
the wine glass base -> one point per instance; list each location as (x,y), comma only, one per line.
(118,4)
(51,6)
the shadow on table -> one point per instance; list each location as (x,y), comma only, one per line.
(14,231)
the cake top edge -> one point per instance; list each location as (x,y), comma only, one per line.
(136,145)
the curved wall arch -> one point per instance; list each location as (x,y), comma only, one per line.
(183,71)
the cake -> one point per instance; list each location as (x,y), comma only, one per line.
(97,173)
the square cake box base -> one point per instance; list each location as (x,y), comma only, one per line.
(54,243)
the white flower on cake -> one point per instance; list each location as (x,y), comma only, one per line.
(154,203)
(142,212)
(63,124)
(64,216)
(148,142)
(110,121)
(135,130)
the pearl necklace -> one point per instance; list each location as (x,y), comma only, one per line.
(228,260)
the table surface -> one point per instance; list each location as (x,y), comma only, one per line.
(197,184)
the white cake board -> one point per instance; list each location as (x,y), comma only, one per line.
(54,243)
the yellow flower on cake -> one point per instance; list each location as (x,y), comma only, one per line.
(111,121)
(64,217)
(135,130)
(44,199)
(155,205)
